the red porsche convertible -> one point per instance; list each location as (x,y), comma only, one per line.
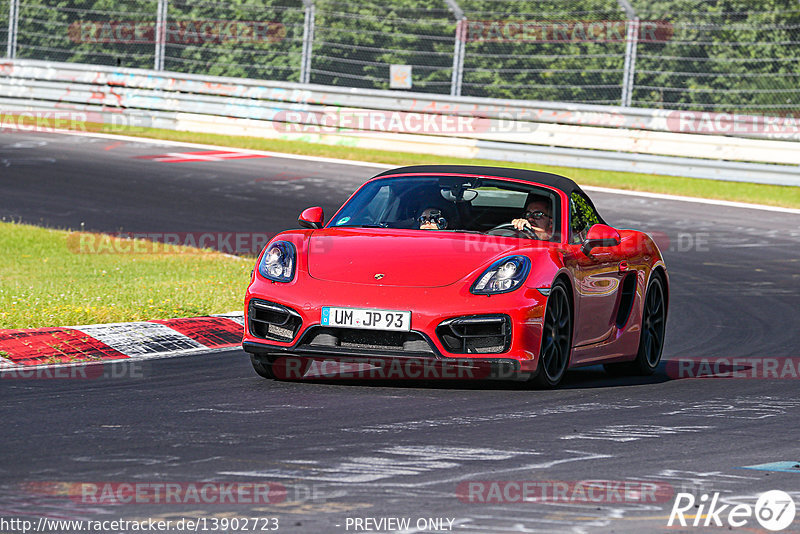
(481,267)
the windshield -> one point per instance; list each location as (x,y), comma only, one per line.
(454,204)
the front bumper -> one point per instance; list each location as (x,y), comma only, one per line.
(436,313)
(310,364)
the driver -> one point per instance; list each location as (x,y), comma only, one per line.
(537,218)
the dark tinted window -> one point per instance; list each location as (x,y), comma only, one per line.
(465,204)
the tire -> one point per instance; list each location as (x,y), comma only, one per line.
(651,338)
(262,366)
(556,338)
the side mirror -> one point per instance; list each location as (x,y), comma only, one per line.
(311,218)
(600,235)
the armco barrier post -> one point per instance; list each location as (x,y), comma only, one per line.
(458,58)
(13,17)
(458,47)
(631,41)
(161,34)
(629,69)
(308,41)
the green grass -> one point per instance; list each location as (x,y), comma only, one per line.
(771,195)
(45,282)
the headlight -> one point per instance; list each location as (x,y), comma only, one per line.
(278,262)
(503,276)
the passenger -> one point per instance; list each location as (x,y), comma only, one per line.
(431,219)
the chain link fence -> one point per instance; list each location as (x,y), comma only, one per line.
(243,39)
(558,51)
(4,12)
(355,43)
(80,31)
(715,55)
(743,55)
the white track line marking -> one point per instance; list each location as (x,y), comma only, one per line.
(164,142)
(384,166)
(715,202)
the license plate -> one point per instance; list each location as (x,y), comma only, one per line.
(364,318)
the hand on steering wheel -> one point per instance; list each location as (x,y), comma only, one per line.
(511,230)
(524,225)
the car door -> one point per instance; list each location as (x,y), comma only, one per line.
(597,277)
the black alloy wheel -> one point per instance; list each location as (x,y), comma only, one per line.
(556,338)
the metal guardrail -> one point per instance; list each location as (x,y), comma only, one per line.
(736,125)
(601,137)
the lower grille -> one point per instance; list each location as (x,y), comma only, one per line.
(368,340)
(269,320)
(478,334)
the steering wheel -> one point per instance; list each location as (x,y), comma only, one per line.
(508,230)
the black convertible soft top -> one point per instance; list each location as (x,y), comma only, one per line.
(538,177)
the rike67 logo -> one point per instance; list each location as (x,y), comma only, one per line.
(774,511)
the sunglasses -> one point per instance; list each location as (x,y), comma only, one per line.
(435,217)
(536,215)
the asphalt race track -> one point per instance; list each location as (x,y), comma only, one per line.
(402,449)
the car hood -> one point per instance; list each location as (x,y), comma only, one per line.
(409,258)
